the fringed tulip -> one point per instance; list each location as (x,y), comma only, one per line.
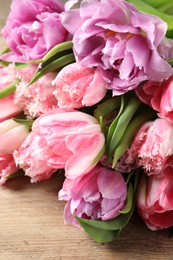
(37,98)
(77,86)
(152,147)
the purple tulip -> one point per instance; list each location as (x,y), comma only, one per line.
(33,28)
(100,194)
(123,42)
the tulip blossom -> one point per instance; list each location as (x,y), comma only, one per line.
(123,42)
(32,157)
(77,86)
(152,147)
(12,135)
(100,195)
(31,35)
(158,96)
(155,200)
(61,139)
(7,106)
(37,98)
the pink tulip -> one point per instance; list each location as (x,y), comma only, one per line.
(12,135)
(32,157)
(7,106)
(37,98)
(152,147)
(100,194)
(77,86)
(155,200)
(159,97)
(61,139)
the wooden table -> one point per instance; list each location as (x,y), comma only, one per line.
(32,226)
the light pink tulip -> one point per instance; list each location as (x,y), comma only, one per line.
(12,135)
(7,106)
(61,139)
(152,147)
(7,167)
(77,86)
(155,200)
(159,97)
(32,157)
(100,194)
(37,98)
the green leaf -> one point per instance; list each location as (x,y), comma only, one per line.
(99,155)
(6,50)
(114,123)
(106,107)
(8,90)
(56,64)
(102,125)
(122,123)
(129,203)
(130,174)
(130,132)
(144,7)
(4,63)
(26,122)
(16,174)
(157,3)
(136,175)
(58,48)
(99,235)
(115,224)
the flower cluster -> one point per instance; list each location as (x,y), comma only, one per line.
(86,91)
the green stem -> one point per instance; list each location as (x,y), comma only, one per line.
(122,123)
(8,90)
(58,48)
(53,66)
(166,7)
(107,107)
(129,134)
(157,3)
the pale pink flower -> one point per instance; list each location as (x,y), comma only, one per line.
(158,96)
(7,167)
(33,28)
(12,135)
(32,157)
(7,106)
(155,200)
(38,98)
(152,147)
(61,139)
(77,86)
(100,194)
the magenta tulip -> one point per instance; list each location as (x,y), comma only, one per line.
(155,200)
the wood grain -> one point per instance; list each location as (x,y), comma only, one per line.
(32,226)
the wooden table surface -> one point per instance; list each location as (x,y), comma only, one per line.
(32,226)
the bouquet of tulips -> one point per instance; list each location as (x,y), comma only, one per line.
(86,91)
